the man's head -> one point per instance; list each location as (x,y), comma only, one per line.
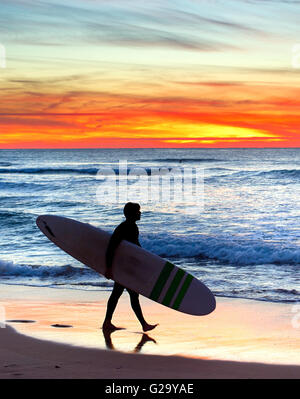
(132,211)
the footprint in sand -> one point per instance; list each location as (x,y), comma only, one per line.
(20,321)
(61,325)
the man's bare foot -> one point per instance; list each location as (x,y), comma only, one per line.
(108,326)
(148,327)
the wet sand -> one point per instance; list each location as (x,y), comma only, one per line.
(241,339)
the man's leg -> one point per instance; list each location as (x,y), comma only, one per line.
(111,306)
(135,304)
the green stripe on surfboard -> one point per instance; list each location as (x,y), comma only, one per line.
(161,281)
(173,287)
(182,292)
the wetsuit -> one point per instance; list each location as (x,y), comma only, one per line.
(125,231)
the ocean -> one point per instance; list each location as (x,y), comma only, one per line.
(242,239)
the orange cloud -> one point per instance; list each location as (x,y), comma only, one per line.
(222,114)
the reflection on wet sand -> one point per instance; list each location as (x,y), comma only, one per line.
(109,345)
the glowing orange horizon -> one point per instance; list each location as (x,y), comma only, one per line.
(222,120)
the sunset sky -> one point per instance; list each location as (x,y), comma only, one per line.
(141,73)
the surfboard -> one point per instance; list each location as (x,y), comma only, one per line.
(133,267)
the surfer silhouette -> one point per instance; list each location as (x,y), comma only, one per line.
(127,230)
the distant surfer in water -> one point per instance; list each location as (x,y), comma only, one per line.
(127,230)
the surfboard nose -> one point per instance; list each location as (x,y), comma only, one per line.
(42,222)
(43,218)
(39,220)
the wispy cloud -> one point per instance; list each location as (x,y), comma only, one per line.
(160,23)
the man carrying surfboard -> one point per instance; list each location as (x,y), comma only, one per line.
(127,230)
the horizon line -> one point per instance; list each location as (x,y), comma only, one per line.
(150,148)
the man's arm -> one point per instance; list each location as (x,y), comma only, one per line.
(114,242)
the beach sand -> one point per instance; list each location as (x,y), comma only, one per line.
(63,338)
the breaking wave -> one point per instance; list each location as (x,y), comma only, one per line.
(224,250)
